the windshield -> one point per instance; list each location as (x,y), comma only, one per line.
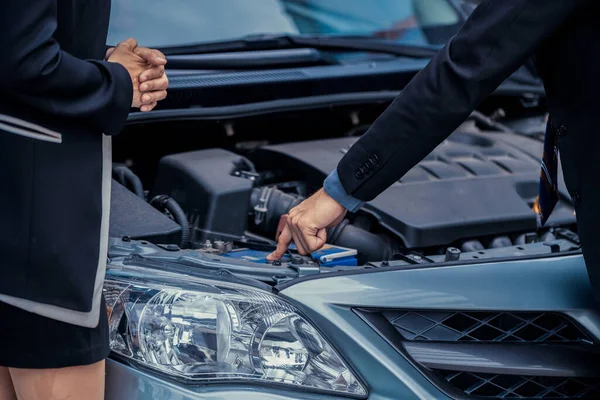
(159,23)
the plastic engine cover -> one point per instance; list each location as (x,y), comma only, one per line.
(215,201)
(472,185)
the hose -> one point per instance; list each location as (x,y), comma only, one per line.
(162,203)
(268,204)
(124,175)
(370,246)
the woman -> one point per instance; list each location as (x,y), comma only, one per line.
(58,103)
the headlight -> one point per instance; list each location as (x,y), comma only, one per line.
(203,332)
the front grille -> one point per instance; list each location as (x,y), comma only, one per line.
(485,327)
(491,354)
(485,386)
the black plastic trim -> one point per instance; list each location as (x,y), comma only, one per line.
(293,104)
(263,107)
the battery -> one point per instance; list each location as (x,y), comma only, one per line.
(256,256)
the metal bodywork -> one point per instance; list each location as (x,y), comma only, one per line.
(558,284)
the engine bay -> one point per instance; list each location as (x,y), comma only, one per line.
(470,199)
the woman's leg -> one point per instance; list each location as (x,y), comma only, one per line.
(7,391)
(71,383)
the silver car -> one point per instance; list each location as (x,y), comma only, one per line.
(443,287)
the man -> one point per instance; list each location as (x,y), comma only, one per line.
(58,102)
(500,35)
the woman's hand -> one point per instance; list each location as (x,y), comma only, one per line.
(150,82)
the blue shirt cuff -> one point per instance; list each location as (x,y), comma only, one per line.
(333,187)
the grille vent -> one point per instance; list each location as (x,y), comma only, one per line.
(486,386)
(485,327)
(499,337)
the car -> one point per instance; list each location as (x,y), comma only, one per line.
(445,286)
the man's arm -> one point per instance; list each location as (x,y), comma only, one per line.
(35,70)
(494,42)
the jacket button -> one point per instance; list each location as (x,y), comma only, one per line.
(561,130)
(576,198)
(359,174)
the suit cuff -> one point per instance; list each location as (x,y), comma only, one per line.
(115,116)
(334,188)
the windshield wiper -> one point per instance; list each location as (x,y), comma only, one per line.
(282,42)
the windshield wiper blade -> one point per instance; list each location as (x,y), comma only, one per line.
(280,42)
(249,60)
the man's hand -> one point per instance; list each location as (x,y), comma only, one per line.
(307,224)
(147,71)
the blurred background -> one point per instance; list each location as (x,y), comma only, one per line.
(158,24)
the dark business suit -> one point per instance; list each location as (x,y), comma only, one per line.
(55,160)
(564,37)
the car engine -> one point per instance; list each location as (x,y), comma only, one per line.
(471,197)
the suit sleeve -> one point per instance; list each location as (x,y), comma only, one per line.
(493,43)
(36,71)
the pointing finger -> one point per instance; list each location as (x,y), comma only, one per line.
(284,242)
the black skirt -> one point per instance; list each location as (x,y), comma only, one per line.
(28,340)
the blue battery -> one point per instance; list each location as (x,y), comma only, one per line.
(255,256)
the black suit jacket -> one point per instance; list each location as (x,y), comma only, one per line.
(564,37)
(57,100)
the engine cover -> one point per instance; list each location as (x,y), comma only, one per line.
(474,184)
(213,198)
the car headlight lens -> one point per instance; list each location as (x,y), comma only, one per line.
(204,332)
